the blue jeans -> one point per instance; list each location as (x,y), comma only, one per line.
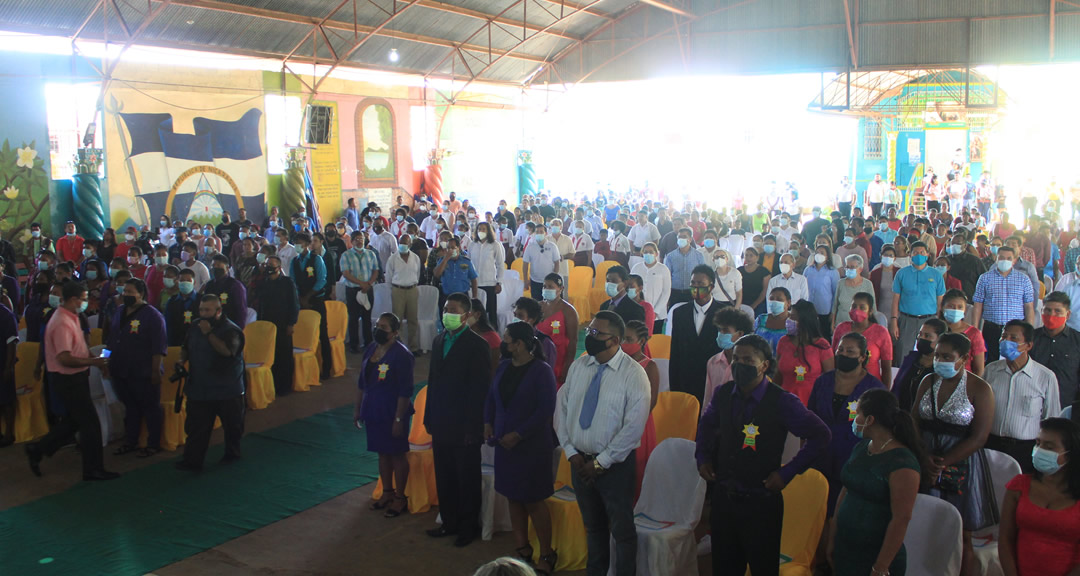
(607,508)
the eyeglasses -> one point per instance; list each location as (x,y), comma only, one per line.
(594,332)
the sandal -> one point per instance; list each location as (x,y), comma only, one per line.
(125,449)
(551,560)
(387,497)
(399,507)
(525,554)
(147,452)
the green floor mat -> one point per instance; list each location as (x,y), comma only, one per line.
(157,515)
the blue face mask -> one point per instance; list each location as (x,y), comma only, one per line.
(775,307)
(1045,461)
(946,369)
(850,273)
(769,248)
(994,250)
(650,259)
(725,341)
(631,292)
(709,243)
(943,269)
(1009,349)
(296,227)
(549,294)
(91,274)
(952,316)
(919,259)
(54,301)
(612,289)
(683,242)
(857,429)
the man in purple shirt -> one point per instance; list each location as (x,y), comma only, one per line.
(137,345)
(229,290)
(740,445)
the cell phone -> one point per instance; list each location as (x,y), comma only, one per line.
(359,426)
(106,353)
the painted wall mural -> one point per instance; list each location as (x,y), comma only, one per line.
(376,143)
(24,191)
(188,162)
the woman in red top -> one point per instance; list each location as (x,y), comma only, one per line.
(879,343)
(1040,519)
(1003,229)
(942,264)
(478,321)
(635,289)
(559,320)
(637,337)
(954,311)
(803,354)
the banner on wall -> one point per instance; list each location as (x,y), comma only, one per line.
(324,165)
(217,166)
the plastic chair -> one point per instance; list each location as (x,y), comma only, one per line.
(31,419)
(173,434)
(427,310)
(259,343)
(567,527)
(660,346)
(676,416)
(933,538)
(337,316)
(511,275)
(1003,468)
(577,292)
(665,525)
(420,490)
(517,266)
(880,318)
(805,501)
(597,295)
(305,342)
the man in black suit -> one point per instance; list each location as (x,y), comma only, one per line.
(458,382)
(693,334)
(626,308)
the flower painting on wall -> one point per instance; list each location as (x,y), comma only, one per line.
(24,192)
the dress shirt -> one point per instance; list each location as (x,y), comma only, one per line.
(596,226)
(796,285)
(1021,399)
(1061,354)
(401,272)
(681,266)
(717,373)
(582,243)
(64,333)
(639,234)
(385,244)
(821,284)
(622,409)
(542,258)
(1003,297)
(657,286)
(700,312)
(358,263)
(918,290)
(1029,270)
(488,259)
(619,243)
(1070,284)
(887,236)
(286,253)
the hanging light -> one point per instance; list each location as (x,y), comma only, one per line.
(393,56)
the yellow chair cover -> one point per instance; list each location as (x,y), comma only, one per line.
(172,430)
(567,527)
(676,416)
(96,337)
(597,295)
(577,292)
(660,346)
(420,489)
(337,317)
(804,519)
(260,337)
(517,265)
(31,419)
(305,344)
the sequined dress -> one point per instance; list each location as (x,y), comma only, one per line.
(966,484)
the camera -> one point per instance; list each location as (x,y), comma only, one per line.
(179,374)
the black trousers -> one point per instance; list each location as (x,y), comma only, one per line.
(825,322)
(875,208)
(607,508)
(992,336)
(536,290)
(359,319)
(492,306)
(844,208)
(1019,449)
(459,485)
(658,327)
(142,400)
(283,361)
(746,530)
(200,424)
(81,418)
(319,305)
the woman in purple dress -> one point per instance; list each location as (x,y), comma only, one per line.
(518,422)
(383,404)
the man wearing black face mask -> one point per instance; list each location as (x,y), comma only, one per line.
(693,335)
(601,418)
(138,342)
(740,443)
(214,387)
(279,304)
(229,291)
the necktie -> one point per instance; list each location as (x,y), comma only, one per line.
(592,396)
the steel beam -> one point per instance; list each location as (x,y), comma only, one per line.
(668,7)
(97,6)
(510,22)
(851,37)
(318,28)
(356,45)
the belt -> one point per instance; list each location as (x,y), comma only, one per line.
(917,317)
(399,287)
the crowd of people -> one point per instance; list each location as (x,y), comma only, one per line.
(899,347)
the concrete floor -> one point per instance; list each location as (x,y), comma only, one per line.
(338,537)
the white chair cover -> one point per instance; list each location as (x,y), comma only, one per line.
(665,525)
(91,321)
(1003,468)
(635,260)
(339,291)
(252,316)
(382,303)
(748,311)
(511,275)
(663,365)
(791,448)
(494,507)
(880,318)
(101,392)
(933,538)
(597,259)
(427,310)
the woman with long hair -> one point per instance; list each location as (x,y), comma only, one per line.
(518,418)
(1040,519)
(918,363)
(559,320)
(879,341)
(106,250)
(477,321)
(803,353)
(880,483)
(953,311)
(487,256)
(634,342)
(822,282)
(776,322)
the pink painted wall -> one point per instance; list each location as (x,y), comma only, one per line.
(347,109)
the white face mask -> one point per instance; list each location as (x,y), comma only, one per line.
(481,235)
(785,268)
(819,258)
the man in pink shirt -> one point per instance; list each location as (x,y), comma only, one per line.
(69,247)
(68,361)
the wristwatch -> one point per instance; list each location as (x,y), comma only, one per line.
(397,419)
(598,467)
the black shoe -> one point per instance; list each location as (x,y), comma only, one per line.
(182,465)
(100,475)
(33,454)
(6,441)
(229,459)
(464,539)
(440,532)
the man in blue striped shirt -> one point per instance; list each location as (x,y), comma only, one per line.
(1001,295)
(360,268)
(681,262)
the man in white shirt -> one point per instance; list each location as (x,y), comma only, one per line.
(565,246)
(643,232)
(787,278)
(596,224)
(403,274)
(1025,393)
(583,244)
(785,231)
(383,242)
(657,279)
(845,197)
(601,415)
(875,194)
(540,258)
(285,251)
(189,259)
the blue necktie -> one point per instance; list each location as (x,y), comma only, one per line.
(592,397)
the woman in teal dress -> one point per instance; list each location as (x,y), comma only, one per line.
(881,481)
